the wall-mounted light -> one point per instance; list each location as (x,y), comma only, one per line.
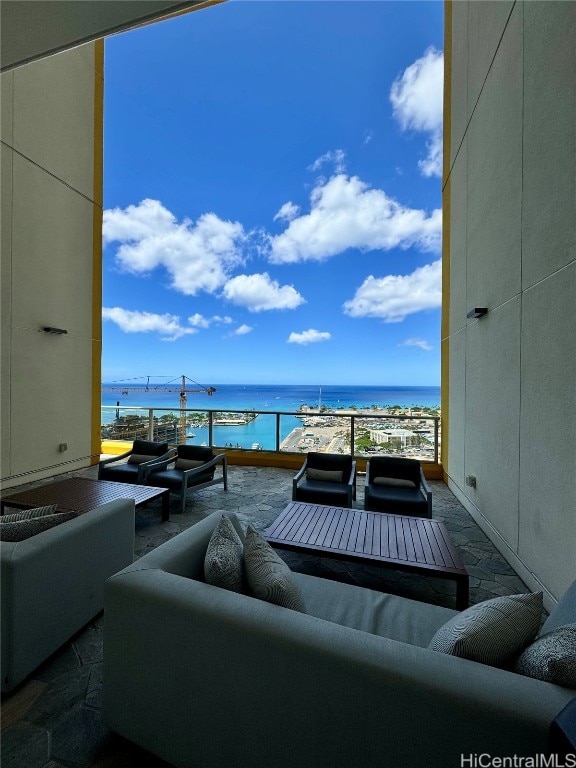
(477,312)
(57,331)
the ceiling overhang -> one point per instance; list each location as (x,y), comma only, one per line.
(33,29)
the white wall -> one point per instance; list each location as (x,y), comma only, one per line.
(49,213)
(512,229)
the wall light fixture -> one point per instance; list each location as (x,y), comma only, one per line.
(477,312)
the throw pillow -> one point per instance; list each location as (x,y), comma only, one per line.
(328,475)
(551,657)
(268,576)
(28,514)
(492,632)
(224,560)
(24,529)
(393,482)
(139,458)
(185,464)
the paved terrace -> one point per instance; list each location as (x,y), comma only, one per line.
(53,720)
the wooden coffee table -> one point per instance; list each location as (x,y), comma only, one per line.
(82,494)
(413,544)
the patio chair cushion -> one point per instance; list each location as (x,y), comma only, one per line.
(268,576)
(25,529)
(172,479)
(184,464)
(492,632)
(224,560)
(327,475)
(393,482)
(551,657)
(149,448)
(139,458)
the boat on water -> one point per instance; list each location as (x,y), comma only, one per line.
(256,447)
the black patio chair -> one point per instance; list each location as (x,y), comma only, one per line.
(326,478)
(193,468)
(143,452)
(397,486)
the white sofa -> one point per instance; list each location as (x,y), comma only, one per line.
(52,584)
(204,677)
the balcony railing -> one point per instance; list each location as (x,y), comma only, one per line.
(360,434)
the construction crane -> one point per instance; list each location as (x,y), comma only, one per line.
(168,386)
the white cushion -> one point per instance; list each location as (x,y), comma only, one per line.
(492,632)
(551,657)
(224,560)
(24,529)
(268,576)
(185,464)
(140,458)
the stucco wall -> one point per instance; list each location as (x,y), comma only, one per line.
(50,214)
(512,227)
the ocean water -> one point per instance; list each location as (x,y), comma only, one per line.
(283,398)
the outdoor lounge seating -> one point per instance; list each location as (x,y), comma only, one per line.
(397,486)
(142,453)
(350,682)
(193,468)
(326,478)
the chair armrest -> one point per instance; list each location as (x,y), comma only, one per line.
(156,462)
(296,479)
(352,478)
(219,458)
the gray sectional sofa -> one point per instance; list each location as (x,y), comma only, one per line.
(208,678)
(52,584)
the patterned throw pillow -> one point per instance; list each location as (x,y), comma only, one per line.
(551,657)
(268,576)
(393,482)
(28,514)
(328,475)
(24,529)
(492,632)
(224,560)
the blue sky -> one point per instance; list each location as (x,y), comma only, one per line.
(272,195)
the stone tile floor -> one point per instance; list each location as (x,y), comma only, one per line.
(53,720)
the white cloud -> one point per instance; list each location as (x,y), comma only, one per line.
(394,297)
(242,330)
(133,321)
(288,212)
(311,336)
(417,100)
(258,293)
(346,213)
(421,343)
(368,136)
(336,156)
(199,321)
(198,256)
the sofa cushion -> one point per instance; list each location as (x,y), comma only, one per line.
(28,514)
(551,657)
(378,613)
(328,475)
(24,529)
(268,576)
(492,632)
(564,613)
(224,560)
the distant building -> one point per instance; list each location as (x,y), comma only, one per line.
(403,436)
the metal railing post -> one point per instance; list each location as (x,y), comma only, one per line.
(352,423)
(436,425)
(277,449)
(211,429)
(150,423)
